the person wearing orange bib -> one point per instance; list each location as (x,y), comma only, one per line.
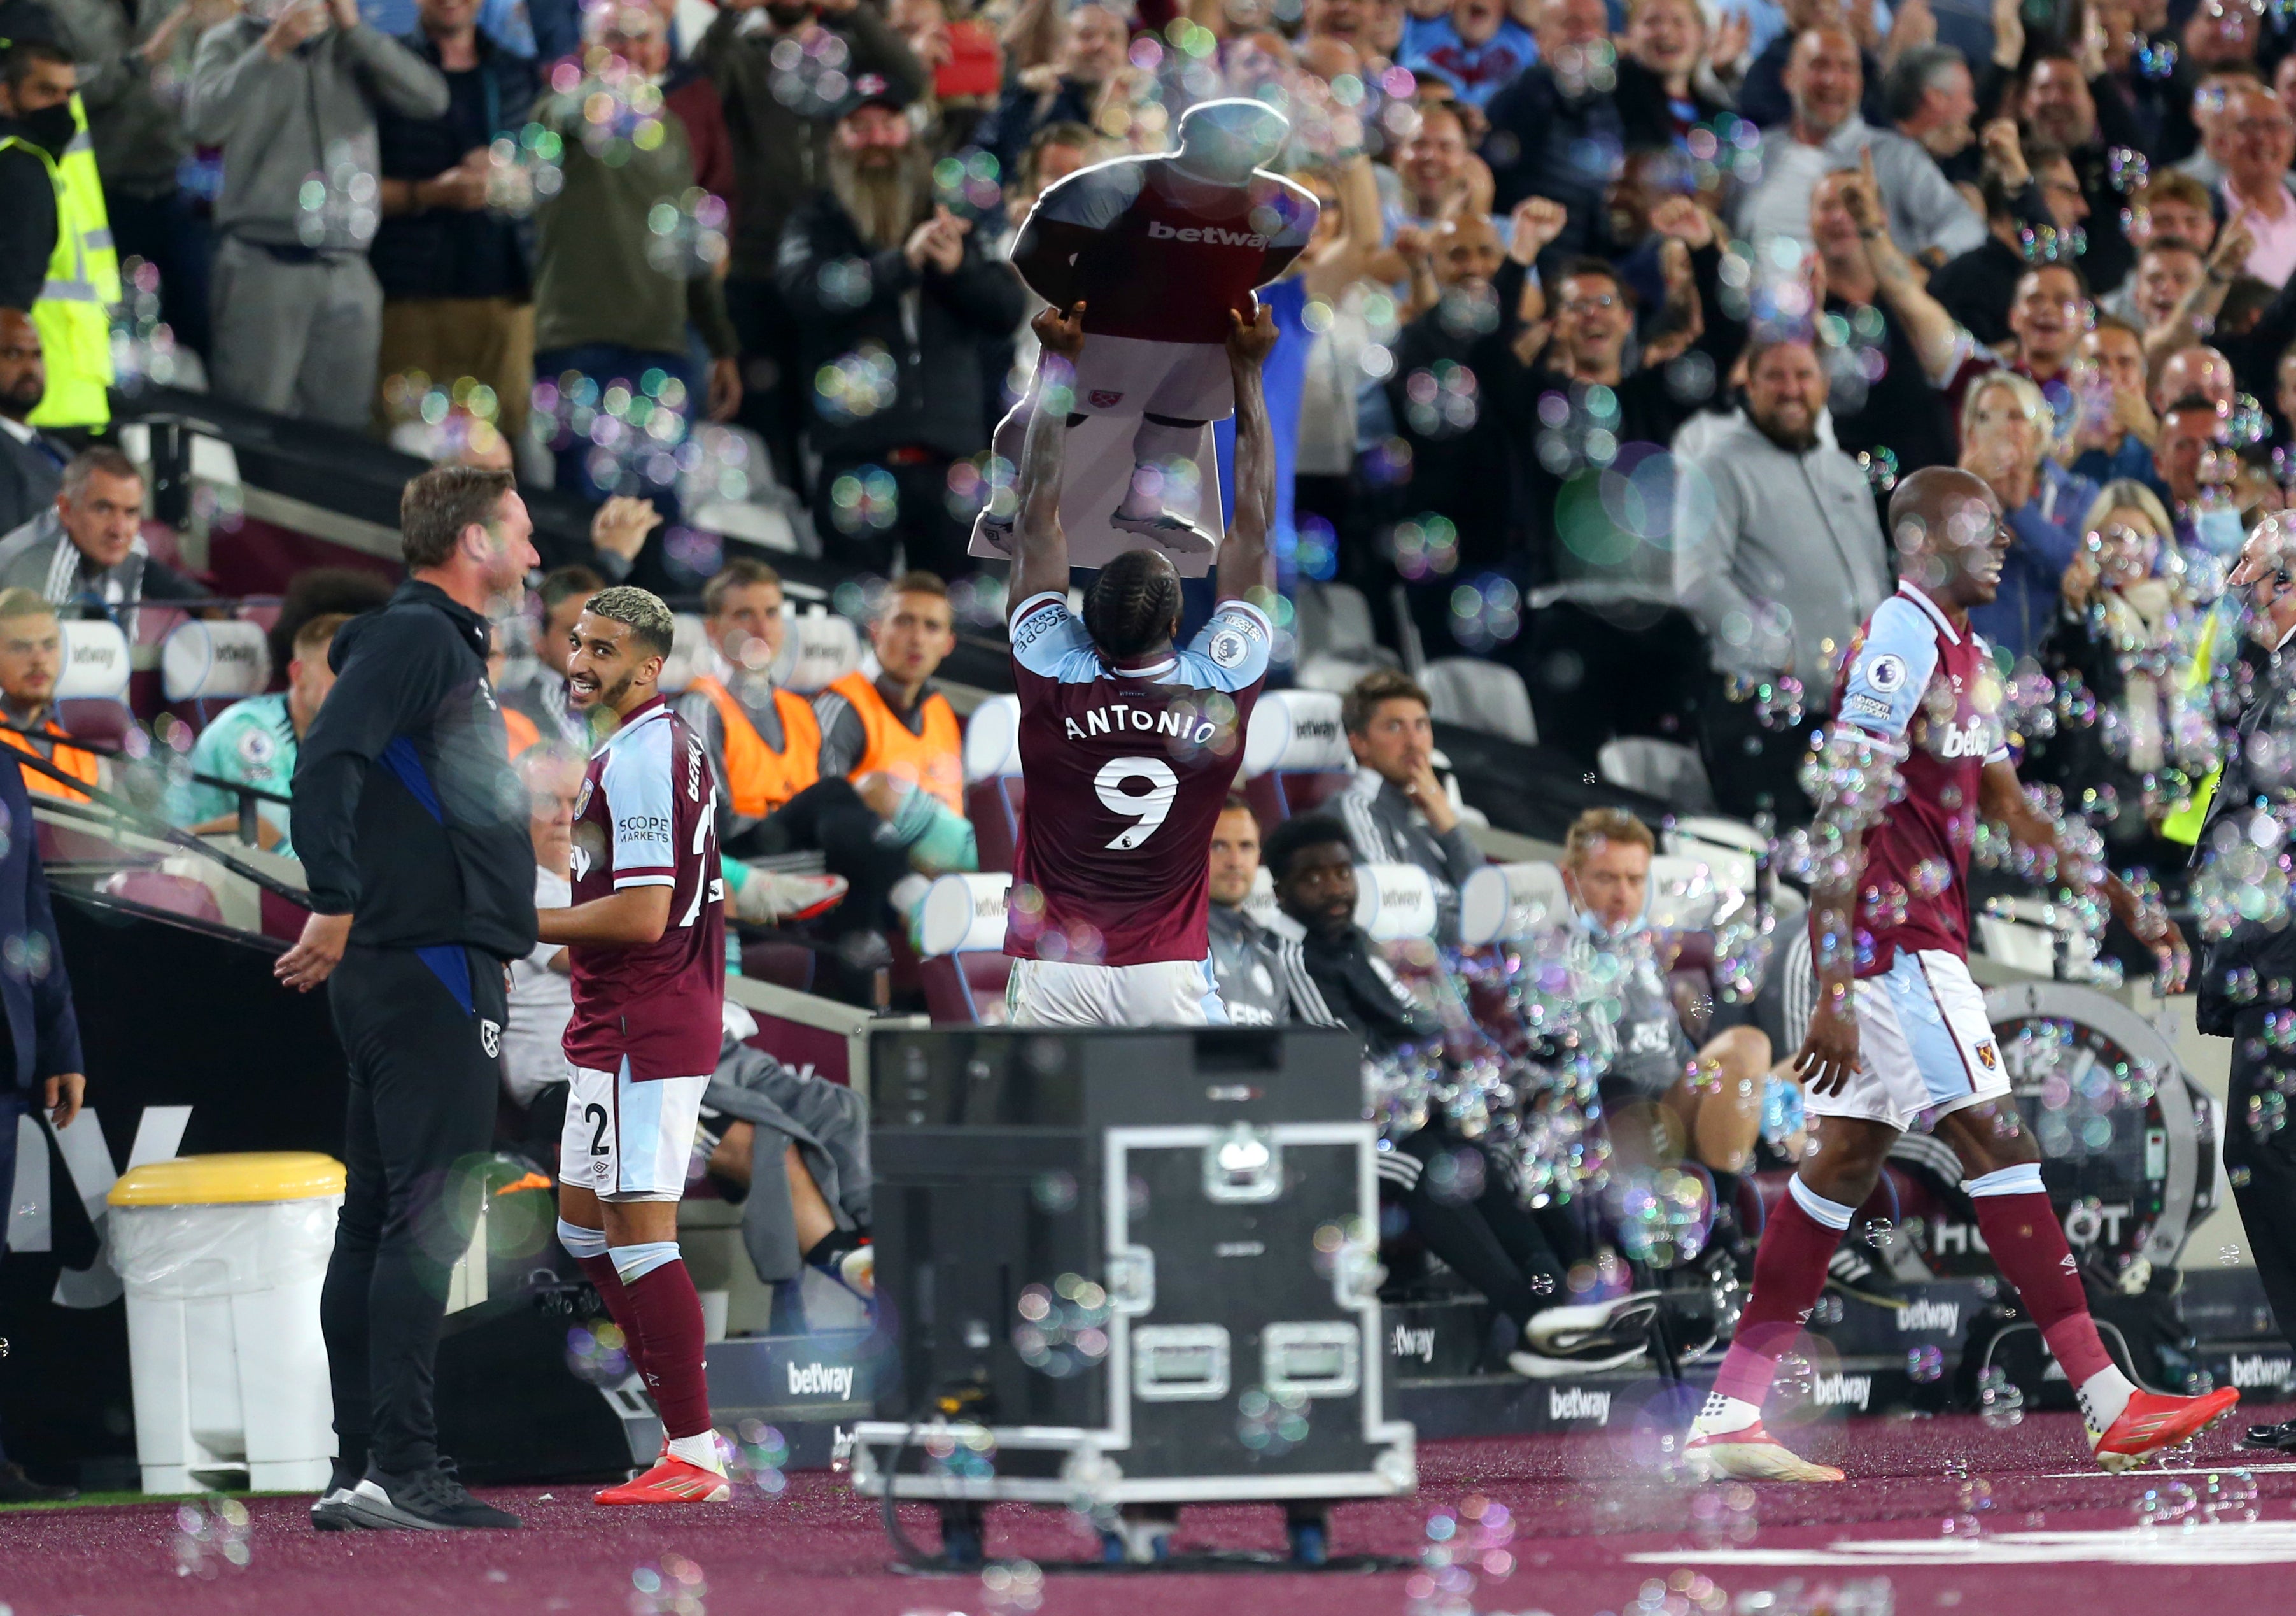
(32,653)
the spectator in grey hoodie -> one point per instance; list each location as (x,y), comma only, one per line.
(290,96)
(1778,572)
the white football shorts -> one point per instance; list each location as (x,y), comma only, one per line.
(627,1140)
(1131,376)
(1923,1045)
(1163,993)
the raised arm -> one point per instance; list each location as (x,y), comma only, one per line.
(1244,557)
(1042,566)
(1935,334)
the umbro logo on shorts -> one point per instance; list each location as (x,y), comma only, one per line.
(1102,398)
(490,1037)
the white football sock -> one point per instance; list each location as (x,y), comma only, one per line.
(2103,1395)
(701,1448)
(1723,1415)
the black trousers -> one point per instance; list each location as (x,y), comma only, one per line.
(1594,676)
(829,818)
(1487,1236)
(425,1065)
(2262,1165)
(1755,766)
(918,518)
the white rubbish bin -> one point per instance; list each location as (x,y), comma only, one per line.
(223,1258)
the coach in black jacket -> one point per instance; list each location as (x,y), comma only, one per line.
(413,832)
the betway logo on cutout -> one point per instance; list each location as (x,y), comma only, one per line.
(821,1380)
(1210,235)
(1407,1343)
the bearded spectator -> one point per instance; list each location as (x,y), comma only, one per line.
(893,291)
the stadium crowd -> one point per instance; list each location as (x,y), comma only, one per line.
(1618,325)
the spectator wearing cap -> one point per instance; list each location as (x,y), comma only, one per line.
(1067,90)
(610,311)
(872,265)
(254,743)
(31,462)
(298,313)
(780,143)
(86,554)
(456,287)
(32,656)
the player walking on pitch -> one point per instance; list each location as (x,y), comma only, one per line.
(647,938)
(1127,743)
(1899,1027)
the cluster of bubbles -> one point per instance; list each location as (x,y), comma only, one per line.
(1662,1217)
(1972,1504)
(1016,1586)
(1441,401)
(144,351)
(634,428)
(2000,1401)
(685,239)
(1271,1422)
(618,111)
(210,1536)
(524,171)
(597,1352)
(1424,547)
(757,1457)
(1063,1326)
(855,386)
(340,204)
(2243,878)
(1723,1516)
(1924,1364)
(1486,611)
(1466,1549)
(963,1451)
(672,1586)
(2223,1498)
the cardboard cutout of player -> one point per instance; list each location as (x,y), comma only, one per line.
(1160,251)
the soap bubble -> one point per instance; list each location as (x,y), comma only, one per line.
(1925,1365)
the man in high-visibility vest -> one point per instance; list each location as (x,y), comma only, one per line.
(56,257)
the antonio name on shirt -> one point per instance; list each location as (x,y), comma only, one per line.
(1124,771)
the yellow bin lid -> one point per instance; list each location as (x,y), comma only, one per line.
(240,1176)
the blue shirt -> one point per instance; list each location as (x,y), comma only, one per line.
(1282,383)
(2048,531)
(1475,72)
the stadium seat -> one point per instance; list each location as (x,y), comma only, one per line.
(1394,902)
(207,665)
(821,649)
(1665,769)
(1337,644)
(992,790)
(1295,754)
(1478,695)
(92,686)
(1507,902)
(1731,847)
(960,937)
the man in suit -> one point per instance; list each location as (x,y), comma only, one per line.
(31,462)
(43,1039)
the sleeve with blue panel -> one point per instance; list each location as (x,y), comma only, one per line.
(1892,668)
(2000,752)
(640,789)
(1050,643)
(1231,652)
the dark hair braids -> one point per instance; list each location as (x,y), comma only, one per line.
(1133,604)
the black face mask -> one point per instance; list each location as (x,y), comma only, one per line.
(50,129)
